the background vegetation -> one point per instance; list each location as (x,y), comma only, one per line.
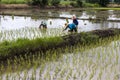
(13,1)
(74,3)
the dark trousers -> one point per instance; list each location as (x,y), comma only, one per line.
(71,30)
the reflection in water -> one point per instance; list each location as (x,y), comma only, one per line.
(12,17)
(43,32)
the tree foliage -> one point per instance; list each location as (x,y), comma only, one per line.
(79,3)
(100,2)
(117,1)
(103,2)
(55,2)
(41,3)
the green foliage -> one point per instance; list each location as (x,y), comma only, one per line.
(103,2)
(55,2)
(92,1)
(13,1)
(35,2)
(73,4)
(79,3)
(41,3)
(90,5)
(45,2)
(117,1)
(88,38)
(23,46)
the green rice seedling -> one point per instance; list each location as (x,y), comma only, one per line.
(91,75)
(30,33)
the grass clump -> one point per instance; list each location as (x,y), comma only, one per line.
(22,46)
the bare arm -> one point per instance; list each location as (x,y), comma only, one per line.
(65,28)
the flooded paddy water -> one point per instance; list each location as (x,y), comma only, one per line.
(19,22)
(88,20)
(100,63)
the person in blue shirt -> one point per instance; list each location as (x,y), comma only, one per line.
(75,21)
(71,26)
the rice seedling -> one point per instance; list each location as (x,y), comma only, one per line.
(30,33)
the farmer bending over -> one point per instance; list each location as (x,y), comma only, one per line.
(71,26)
(43,25)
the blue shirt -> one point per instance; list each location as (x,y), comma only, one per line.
(71,26)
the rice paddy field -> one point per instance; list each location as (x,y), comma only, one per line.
(100,61)
(75,63)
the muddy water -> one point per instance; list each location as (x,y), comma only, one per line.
(88,20)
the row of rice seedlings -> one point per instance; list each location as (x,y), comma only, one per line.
(101,63)
(30,33)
